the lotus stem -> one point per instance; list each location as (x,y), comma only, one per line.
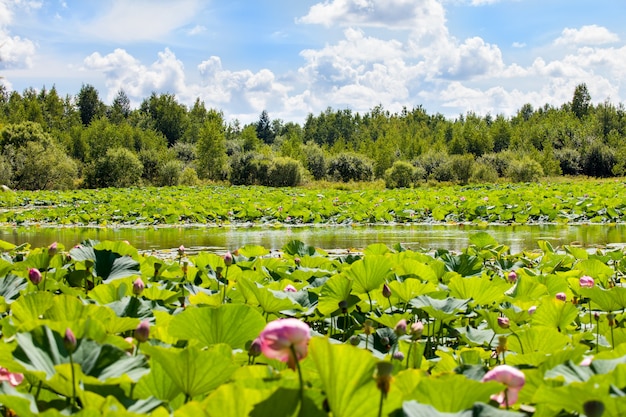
(295,357)
(370,299)
(519,340)
(73,399)
(380,404)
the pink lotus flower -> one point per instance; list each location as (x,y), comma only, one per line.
(12,378)
(512,277)
(504,322)
(532,309)
(34,275)
(228,259)
(290,288)
(142,332)
(138,286)
(514,380)
(561,296)
(53,249)
(282,339)
(586,281)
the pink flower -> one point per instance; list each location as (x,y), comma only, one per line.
(586,281)
(417,329)
(290,288)
(138,286)
(34,275)
(386,291)
(400,328)
(586,361)
(69,340)
(512,277)
(514,380)
(52,249)
(142,332)
(281,339)
(228,259)
(532,309)
(504,322)
(561,296)
(11,377)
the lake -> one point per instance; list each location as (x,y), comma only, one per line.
(219,239)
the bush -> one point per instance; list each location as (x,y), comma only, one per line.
(349,166)
(499,162)
(284,172)
(315,160)
(525,170)
(249,168)
(462,167)
(189,176)
(41,166)
(170,173)
(400,175)
(483,173)
(598,161)
(120,167)
(569,161)
(430,161)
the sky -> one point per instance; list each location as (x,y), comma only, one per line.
(296,57)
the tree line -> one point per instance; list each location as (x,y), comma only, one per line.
(53,142)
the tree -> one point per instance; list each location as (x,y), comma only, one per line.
(119,167)
(264,128)
(211,150)
(581,101)
(120,110)
(167,116)
(89,105)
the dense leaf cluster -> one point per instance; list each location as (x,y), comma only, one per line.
(50,142)
(580,201)
(540,312)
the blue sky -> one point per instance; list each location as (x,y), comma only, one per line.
(293,58)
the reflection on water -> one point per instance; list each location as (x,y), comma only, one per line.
(452,237)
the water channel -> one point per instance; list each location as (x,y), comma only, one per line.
(211,238)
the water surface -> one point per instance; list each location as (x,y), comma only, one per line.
(452,237)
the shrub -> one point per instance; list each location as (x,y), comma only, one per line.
(284,172)
(526,169)
(462,167)
(569,160)
(42,166)
(497,161)
(598,161)
(483,173)
(249,168)
(400,175)
(170,173)
(189,176)
(430,161)
(120,167)
(349,166)
(315,160)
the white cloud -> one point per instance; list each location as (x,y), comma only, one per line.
(518,45)
(586,35)
(196,30)
(141,20)
(15,51)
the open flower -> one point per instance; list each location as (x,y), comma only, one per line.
(514,380)
(586,281)
(282,339)
(12,378)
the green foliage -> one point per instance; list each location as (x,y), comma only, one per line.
(350,167)
(525,169)
(400,175)
(598,160)
(119,167)
(284,172)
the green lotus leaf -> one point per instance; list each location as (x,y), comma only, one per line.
(253,251)
(612,299)
(596,269)
(158,384)
(337,289)
(195,371)
(483,240)
(369,273)
(269,300)
(298,248)
(527,288)
(107,264)
(213,325)
(346,375)
(411,268)
(555,314)
(411,288)
(453,393)
(481,290)
(440,309)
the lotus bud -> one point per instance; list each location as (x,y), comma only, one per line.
(398,356)
(593,408)
(386,291)
(228,259)
(290,288)
(417,329)
(157,268)
(400,328)
(561,296)
(255,348)
(586,281)
(343,305)
(503,322)
(297,261)
(53,249)
(181,251)
(532,309)
(368,327)
(142,332)
(383,376)
(512,276)
(34,276)
(138,286)
(69,340)
(596,316)
(354,340)
(384,341)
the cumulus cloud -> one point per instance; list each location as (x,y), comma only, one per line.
(586,35)
(15,51)
(140,20)
(392,14)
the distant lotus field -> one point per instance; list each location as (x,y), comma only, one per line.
(578,201)
(100,330)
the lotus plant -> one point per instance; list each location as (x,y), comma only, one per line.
(512,378)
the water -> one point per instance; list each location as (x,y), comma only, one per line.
(452,237)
